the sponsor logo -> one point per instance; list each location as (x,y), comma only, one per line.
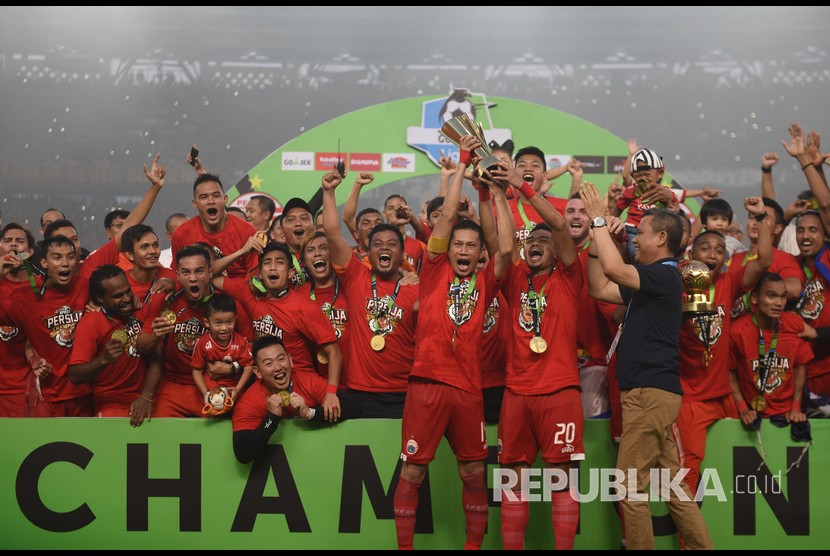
(292,161)
(592,164)
(567,449)
(398,162)
(364,162)
(61,325)
(434,113)
(615,164)
(557,160)
(328,161)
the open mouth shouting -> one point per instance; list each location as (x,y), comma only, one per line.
(212,213)
(534,255)
(464,264)
(384,261)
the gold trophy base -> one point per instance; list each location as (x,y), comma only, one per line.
(700,307)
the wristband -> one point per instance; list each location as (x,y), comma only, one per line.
(766,169)
(464,157)
(808,164)
(591,255)
(759,217)
(741,405)
(483,192)
(527,190)
(796,405)
(331,389)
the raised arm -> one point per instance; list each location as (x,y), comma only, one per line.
(797,150)
(576,171)
(350,206)
(339,249)
(767,162)
(221,265)
(156,176)
(757,266)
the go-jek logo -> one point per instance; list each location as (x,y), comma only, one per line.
(434,113)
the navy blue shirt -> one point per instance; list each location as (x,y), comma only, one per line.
(648,355)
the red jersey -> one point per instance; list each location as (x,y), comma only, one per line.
(332,302)
(208,350)
(526,217)
(782,263)
(812,308)
(494,343)
(294,318)
(48,319)
(141,290)
(413,250)
(450,324)
(179,344)
(530,373)
(706,382)
(387,311)
(121,381)
(15,368)
(107,254)
(636,208)
(232,238)
(297,274)
(790,352)
(251,409)
(593,332)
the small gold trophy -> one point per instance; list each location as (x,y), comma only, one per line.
(461,125)
(697,284)
(263,238)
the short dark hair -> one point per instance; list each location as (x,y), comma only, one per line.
(716,207)
(96,279)
(779,211)
(54,241)
(207,177)
(112,215)
(708,232)
(393,196)
(542,227)
(535,151)
(667,221)
(275,246)
(235,209)
(30,238)
(274,223)
(62,223)
(220,303)
(265,342)
(467,224)
(364,212)
(766,277)
(265,203)
(50,209)
(169,222)
(434,205)
(133,234)
(193,250)
(385,227)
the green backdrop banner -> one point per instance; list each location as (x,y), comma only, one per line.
(398,140)
(174,483)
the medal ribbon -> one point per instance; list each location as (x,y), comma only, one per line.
(389,303)
(764,359)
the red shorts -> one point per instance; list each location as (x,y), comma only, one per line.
(177,400)
(552,423)
(13,405)
(112,410)
(75,407)
(435,409)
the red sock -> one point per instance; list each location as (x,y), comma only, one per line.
(565,518)
(514,517)
(405,506)
(476,510)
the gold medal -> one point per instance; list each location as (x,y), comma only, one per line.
(286,397)
(122,336)
(378,342)
(169,316)
(23,256)
(538,344)
(758,403)
(322,357)
(263,238)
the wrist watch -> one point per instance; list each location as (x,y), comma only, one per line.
(598,222)
(235,367)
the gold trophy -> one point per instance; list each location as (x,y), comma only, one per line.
(461,125)
(697,282)
(697,279)
(262,237)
